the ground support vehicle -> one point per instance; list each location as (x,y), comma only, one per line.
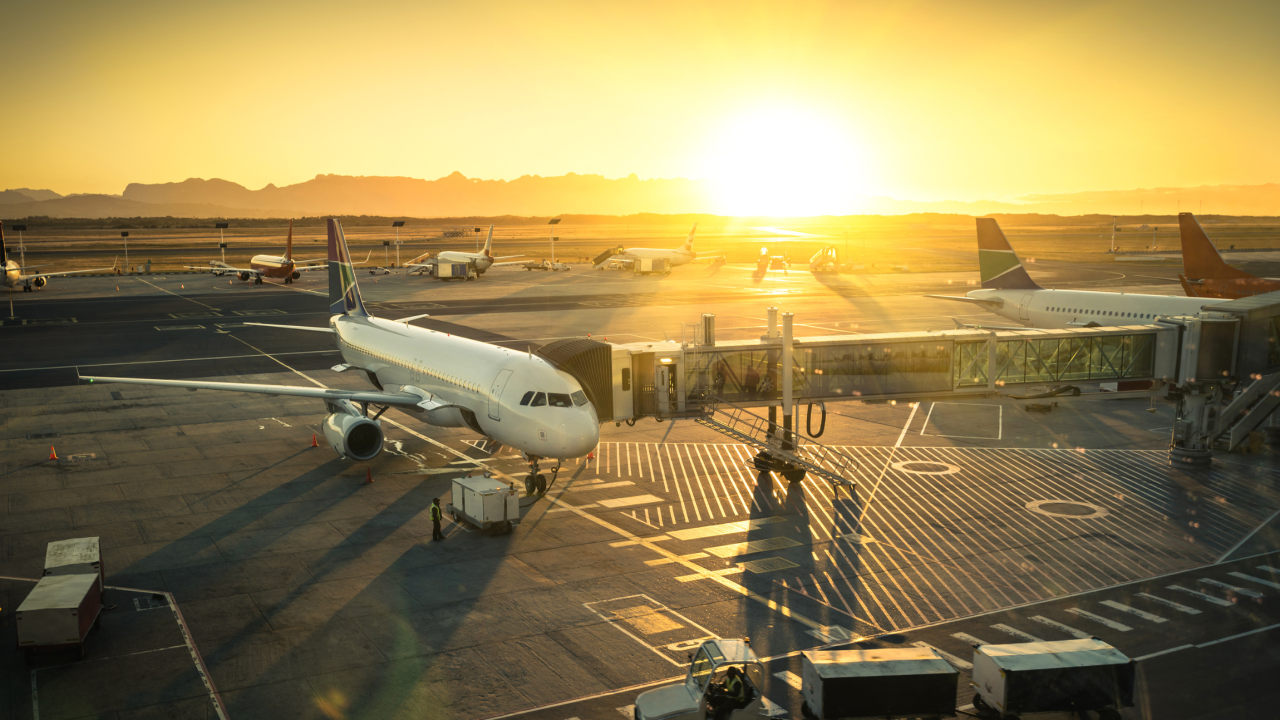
(707,672)
(59,613)
(882,683)
(489,504)
(653,266)
(1063,676)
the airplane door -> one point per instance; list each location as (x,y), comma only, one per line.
(1024,308)
(495,394)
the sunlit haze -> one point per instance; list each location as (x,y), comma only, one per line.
(790,108)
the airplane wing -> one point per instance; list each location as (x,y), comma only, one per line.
(225,269)
(976,301)
(365,260)
(401,399)
(69,272)
(978,326)
(507,257)
(292,327)
(507,264)
(310,267)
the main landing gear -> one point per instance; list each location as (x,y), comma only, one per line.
(535,483)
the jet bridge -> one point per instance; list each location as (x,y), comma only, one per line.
(1221,369)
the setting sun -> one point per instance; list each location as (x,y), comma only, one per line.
(784,162)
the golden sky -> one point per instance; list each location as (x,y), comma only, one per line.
(922,100)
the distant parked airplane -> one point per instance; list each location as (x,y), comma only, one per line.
(682,255)
(1207,275)
(1008,291)
(278,268)
(483,260)
(15,274)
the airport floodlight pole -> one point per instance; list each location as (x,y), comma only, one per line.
(125,235)
(1113,236)
(397,225)
(386,248)
(222,241)
(555,221)
(788,359)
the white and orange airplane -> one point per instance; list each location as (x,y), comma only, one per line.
(270,266)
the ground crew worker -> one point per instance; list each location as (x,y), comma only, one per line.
(435,519)
(734,696)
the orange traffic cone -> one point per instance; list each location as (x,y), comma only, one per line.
(368,478)
(184,287)
(591,455)
(53,455)
(117,288)
(313,441)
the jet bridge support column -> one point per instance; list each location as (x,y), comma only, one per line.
(788,356)
(1195,416)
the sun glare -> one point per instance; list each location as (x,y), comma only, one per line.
(784,162)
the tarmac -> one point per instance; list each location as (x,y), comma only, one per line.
(258,577)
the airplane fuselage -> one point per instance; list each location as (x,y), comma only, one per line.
(1230,288)
(516,398)
(483,262)
(1057,309)
(273,267)
(675,257)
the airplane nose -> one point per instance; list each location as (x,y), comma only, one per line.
(579,435)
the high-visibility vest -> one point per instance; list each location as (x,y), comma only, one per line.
(733,688)
(435,513)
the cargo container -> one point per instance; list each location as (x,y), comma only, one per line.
(653,266)
(77,556)
(486,503)
(59,613)
(888,683)
(456,271)
(1062,676)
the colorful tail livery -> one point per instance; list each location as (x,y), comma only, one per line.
(688,242)
(344,294)
(1200,259)
(998,265)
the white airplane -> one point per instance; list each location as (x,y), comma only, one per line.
(260,266)
(682,255)
(515,398)
(483,260)
(15,274)
(1008,291)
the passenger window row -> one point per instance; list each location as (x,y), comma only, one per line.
(419,369)
(1109,313)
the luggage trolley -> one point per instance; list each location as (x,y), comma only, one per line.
(487,503)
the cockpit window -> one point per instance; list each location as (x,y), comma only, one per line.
(527,397)
(539,400)
(579,398)
(559,400)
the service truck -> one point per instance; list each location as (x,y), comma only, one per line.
(708,670)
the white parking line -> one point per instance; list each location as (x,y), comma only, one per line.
(1133,611)
(955,661)
(1251,578)
(1228,586)
(1080,634)
(1168,603)
(968,639)
(1202,596)
(628,711)
(1099,619)
(1025,637)
(789,678)
(627,501)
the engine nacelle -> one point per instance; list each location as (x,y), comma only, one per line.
(244,277)
(40,282)
(353,436)
(296,275)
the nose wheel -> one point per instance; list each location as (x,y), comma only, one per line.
(535,483)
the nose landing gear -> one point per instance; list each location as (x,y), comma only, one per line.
(535,483)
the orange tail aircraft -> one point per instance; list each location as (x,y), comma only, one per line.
(1207,274)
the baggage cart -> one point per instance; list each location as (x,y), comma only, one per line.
(1061,676)
(487,503)
(456,271)
(884,683)
(77,556)
(58,613)
(653,266)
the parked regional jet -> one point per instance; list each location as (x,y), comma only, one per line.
(15,274)
(1207,274)
(1008,291)
(515,398)
(483,260)
(682,255)
(260,266)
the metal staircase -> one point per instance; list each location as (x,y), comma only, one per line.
(747,427)
(1247,412)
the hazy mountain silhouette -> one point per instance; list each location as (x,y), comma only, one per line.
(531,195)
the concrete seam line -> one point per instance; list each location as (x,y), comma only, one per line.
(1245,539)
(180,297)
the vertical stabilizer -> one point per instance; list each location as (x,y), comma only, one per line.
(688,242)
(288,244)
(1200,259)
(344,293)
(998,264)
(488,244)
(4,251)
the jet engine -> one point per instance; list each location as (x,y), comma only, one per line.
(296,275)
(353,436)
(40,282)
(244,277)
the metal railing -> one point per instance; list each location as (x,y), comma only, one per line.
(790,446)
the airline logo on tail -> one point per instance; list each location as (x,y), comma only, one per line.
(998,264)
(344,294)
(688,242)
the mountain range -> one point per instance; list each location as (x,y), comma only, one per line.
(531,195)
